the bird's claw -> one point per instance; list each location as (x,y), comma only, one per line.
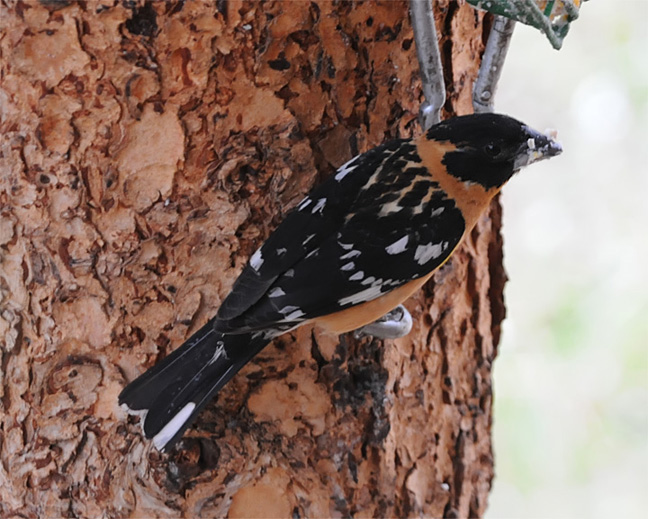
(394,324)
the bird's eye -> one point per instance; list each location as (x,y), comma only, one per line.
(492,150)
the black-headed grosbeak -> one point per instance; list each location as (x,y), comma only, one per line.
(356,247)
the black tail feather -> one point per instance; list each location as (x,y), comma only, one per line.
(172,393)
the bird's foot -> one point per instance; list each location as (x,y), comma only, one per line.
(394,324)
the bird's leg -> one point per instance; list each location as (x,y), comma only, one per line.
(427,51)
(394,324)
(492,63)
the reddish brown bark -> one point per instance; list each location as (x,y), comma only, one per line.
(146,151)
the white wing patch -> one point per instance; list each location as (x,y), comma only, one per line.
(345,169)
(348,266)
(351,254)
(289,310)
(357,276)
(304,204)
(294,315)
(276,292)
(319,206)
(361,297)
(398,246)
(256,260)
(425,253)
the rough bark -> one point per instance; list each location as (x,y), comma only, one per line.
(146,150)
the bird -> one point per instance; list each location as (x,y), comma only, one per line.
(351,251)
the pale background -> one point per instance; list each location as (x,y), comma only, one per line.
(571,380)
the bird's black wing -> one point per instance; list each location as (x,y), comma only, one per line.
(319,216)
(400,227)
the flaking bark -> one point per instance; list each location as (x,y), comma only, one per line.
(147,149)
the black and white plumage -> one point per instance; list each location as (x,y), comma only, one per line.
(356,247)
(327,256)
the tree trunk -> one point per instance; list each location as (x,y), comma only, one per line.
(147,150)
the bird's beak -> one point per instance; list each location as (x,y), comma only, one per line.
(538,146)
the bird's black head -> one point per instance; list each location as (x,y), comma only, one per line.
(491,147)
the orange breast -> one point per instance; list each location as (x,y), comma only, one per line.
(471,198)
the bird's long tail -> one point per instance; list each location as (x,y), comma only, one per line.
(170,395)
